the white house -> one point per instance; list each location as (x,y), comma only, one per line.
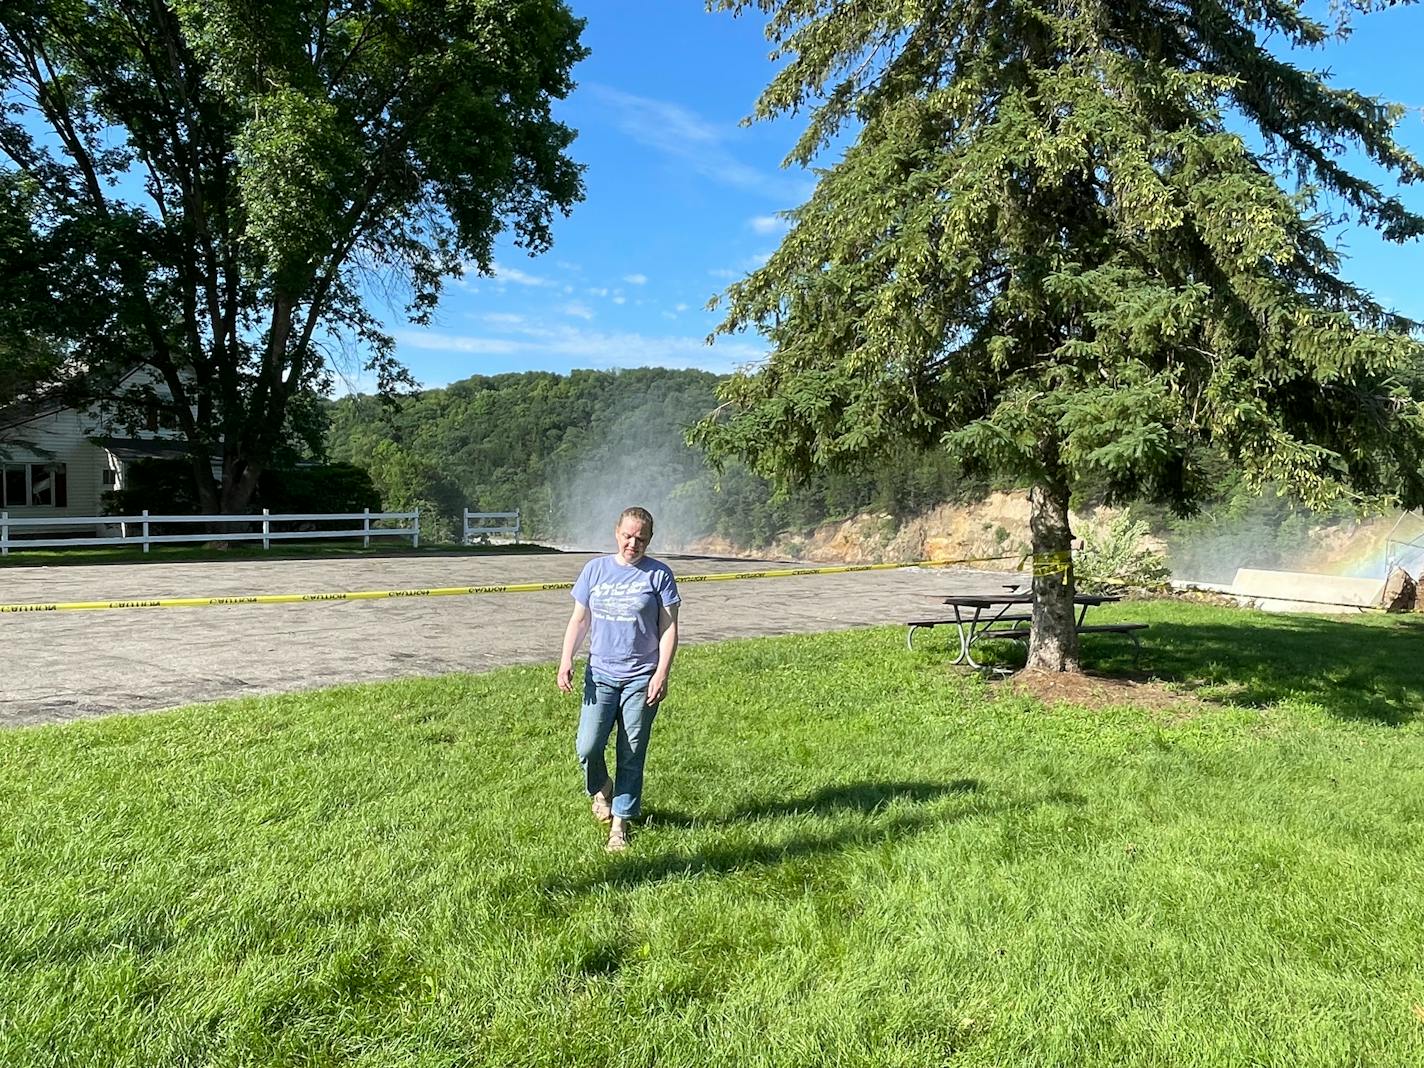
(57,461)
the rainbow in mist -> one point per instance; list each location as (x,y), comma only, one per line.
(1373,551)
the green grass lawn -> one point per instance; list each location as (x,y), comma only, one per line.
(169,554)
(855,856)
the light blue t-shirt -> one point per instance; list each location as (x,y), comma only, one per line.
(623,602)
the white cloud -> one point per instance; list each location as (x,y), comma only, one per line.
(767,224)
(620,299)
(688,138)
(636,279)
(582,347)
(745,267)
(598,291)
(436,342)
(679,308)
(502,319)
(518,277)
(578,310)
(350,382)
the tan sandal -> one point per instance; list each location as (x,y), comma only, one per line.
(603,803)
(617,836)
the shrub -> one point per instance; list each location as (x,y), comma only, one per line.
(162,486)
(1117,555)
(166,486)
(336,487)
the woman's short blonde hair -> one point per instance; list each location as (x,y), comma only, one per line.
(642,515)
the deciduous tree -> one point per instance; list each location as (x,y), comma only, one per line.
(218,187)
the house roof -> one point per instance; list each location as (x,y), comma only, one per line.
(28,409)
(22,412)
(145,448)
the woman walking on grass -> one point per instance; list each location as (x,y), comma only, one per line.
(627,605)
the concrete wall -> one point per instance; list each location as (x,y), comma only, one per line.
(1300,591)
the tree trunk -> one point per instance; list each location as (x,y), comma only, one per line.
(1053,643)
(238,487)
(206,487)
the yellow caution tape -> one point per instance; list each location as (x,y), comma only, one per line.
(463,591)
(1053,563)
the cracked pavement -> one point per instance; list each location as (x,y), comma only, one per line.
(64,666)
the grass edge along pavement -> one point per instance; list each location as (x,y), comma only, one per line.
(853,856)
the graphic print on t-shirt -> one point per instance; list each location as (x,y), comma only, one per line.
(619,602)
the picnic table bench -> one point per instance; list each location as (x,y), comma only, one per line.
(978,616)
(1128,629)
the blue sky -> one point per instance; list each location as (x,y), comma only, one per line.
(680,200)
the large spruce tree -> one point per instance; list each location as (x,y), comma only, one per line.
(1076,240)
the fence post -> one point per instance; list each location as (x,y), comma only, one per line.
(266,529)
(465,527)
(4,533)
(415,535)
(516,526)
(366,531)
(145,530)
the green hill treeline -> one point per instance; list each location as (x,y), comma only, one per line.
(570,451)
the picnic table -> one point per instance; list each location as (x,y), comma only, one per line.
(993,615)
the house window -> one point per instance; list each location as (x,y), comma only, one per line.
(17,479)
(111,477)
(34,485)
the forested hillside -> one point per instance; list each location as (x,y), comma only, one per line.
(569,451)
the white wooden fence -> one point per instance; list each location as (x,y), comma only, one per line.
(262,531)
(480,525)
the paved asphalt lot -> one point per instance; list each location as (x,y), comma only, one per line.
(69,665)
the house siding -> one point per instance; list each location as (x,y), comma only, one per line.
(60,437)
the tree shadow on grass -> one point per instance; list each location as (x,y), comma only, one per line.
(1353,670)
(845,797)
(863,800)
(855,797)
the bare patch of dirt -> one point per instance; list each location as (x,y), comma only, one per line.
(1097,691)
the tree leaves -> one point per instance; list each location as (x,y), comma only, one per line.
(222,185)
(1047,252)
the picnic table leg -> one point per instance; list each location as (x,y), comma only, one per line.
(978,628)
(964,638)
(968,656)
(977,631)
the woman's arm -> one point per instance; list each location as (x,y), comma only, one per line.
(667,649)
(574,635)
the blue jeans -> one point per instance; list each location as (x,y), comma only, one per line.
(624,703)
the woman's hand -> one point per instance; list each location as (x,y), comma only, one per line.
(573,638)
